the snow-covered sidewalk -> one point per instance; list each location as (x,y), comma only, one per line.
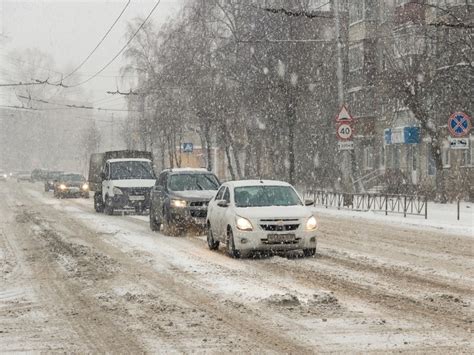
(441,218)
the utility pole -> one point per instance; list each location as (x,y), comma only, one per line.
(348,157)
(112,145)
(339,70)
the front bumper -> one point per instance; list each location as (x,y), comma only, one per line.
(274,241)
(73,192)
(131,202)
(189,216)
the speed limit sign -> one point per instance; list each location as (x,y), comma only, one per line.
(344,131)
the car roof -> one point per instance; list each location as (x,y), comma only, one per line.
(243,183)
(188,170)
(127,159)
(68,174)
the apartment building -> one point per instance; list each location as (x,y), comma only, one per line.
(416,41)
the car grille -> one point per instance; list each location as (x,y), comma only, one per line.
(199,203)
(198,213)
(136,191)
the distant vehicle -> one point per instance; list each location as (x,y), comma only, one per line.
(260,215)
(51,177)
(23,176)
(3,176)
(71,185)
(121,180)
(180,197)
(38,175)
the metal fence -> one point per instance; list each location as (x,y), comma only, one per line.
(402,204)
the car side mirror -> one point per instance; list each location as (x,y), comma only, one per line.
(223,203)
(102,175)
(308,202)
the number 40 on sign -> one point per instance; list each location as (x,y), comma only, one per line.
(344,131)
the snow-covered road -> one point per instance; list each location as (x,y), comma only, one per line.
(74,280)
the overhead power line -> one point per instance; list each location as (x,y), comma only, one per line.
(35,82)
(121,50)
(70,106)
(98,44)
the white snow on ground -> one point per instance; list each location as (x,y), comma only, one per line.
(254,283)
(441,218)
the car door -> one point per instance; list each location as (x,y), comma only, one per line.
(105,182)
(157,194)
(224,214)
(213,211)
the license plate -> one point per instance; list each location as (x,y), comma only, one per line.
(136,198)
(279,238)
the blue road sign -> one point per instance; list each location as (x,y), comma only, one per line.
(402,135)
(187,147)
(459,124)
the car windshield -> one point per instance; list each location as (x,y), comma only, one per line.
(72,177)
(126,170)
(54,175)
(261,196)
(186,182)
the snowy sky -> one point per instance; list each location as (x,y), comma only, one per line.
(68,30)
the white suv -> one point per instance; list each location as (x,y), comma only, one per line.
(265,215)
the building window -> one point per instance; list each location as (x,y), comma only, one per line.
(356,57)
(402,2)
(469,153)
(414,158)
(368,158)
(356,11)
(382,157)
(384,60)
(446,157)
(447,3)
(431,163)
(386,10)
(396,157)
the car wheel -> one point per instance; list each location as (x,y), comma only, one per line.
(309,252)
(213,244)
(231,245)
(154,225)
(46,188)
(108,207)
(98,205)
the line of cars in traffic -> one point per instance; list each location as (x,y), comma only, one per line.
(62,184)
(245,216)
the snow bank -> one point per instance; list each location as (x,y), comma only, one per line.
(442,218)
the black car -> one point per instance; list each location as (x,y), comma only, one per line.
(180,198)
(71,185)
(51,177)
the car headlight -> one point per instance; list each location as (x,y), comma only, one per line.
(117,191)
(63,187)
(178,203)
(243,224)
(5,176)
(311,224)
(85,187)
